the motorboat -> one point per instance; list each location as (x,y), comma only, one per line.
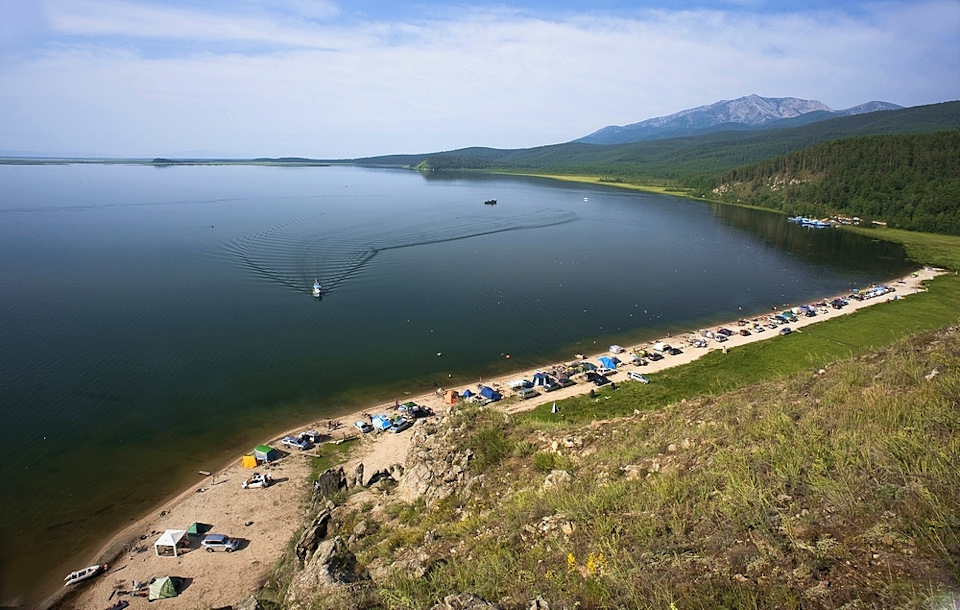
(490,202)
(81,575)
(317,288)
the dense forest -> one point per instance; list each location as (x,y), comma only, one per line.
(907,181)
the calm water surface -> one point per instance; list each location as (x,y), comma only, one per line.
(156,320)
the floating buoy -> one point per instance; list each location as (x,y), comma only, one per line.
(438,353)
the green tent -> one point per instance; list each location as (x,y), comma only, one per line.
(198,529)
(265,453)
(162,587)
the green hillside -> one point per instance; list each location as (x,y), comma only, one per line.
(683,160)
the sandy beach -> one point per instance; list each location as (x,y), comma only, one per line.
(266,519)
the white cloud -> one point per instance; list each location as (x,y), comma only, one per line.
(317,85)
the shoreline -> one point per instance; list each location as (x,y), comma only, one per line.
(125,550)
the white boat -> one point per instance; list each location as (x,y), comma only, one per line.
(317,288)
(80,575)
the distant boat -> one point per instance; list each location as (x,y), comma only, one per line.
(809,222)
(490,202)
(80,575)
(317,288)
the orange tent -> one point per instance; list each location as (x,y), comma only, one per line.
(248,461)
(451,397)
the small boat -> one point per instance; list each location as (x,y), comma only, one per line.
(80,575)
(490,202)
(317,288)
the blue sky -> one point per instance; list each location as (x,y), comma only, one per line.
(331,79)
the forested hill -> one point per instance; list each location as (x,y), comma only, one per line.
(683,160)
(908,181)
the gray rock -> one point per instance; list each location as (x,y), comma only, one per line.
(249,603)
(538,603)
(465,601)
(328,484)
(312,536)
(556,478)
(332,566)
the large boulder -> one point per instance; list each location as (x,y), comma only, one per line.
(328,484)
(331,567)
(312,536)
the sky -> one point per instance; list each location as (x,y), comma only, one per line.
(328,79)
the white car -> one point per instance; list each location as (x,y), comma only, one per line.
(637,377)
(363,426)
(295,442)
(257,481)
(219,542)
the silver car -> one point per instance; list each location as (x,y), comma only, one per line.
(219,542)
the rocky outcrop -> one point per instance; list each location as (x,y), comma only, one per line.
(311,538)
(331,566)
(328,484)
(437,466)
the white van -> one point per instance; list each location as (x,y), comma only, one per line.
(634,375)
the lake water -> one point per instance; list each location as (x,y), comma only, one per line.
(155,321)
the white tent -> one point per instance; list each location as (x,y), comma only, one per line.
(170,539)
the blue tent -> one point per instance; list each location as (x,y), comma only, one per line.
(541,379)
(490,394)
(607,362)
(467,394)
(380,422)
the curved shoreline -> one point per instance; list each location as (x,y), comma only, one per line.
(390,452)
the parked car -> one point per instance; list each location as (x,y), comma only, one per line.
(786,330)
(745,332)
(362,426)
(295,442)
(525,393)
(219,542)
(311,436)
(637,377)
(257,481)
(605,371)
(720,338)
(599,380)
(655,356)
(400,425)
(552,386)
(675,351)
(566,382)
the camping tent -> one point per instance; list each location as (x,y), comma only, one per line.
(171,540)
(265,453)
(198,529)
(490,394)
(450,397)
(380,422)
(540,378)
(616,349)
(467,394)
(162,587)
(248,461)
(607,362)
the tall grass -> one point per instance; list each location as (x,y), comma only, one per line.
(754,498)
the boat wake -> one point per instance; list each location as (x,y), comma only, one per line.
(301,251)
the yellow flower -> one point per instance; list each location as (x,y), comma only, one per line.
(571,561)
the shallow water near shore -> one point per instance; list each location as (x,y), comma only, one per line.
(156,321)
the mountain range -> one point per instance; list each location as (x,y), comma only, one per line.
(746,113)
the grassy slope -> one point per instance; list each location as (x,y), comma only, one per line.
(810,491)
